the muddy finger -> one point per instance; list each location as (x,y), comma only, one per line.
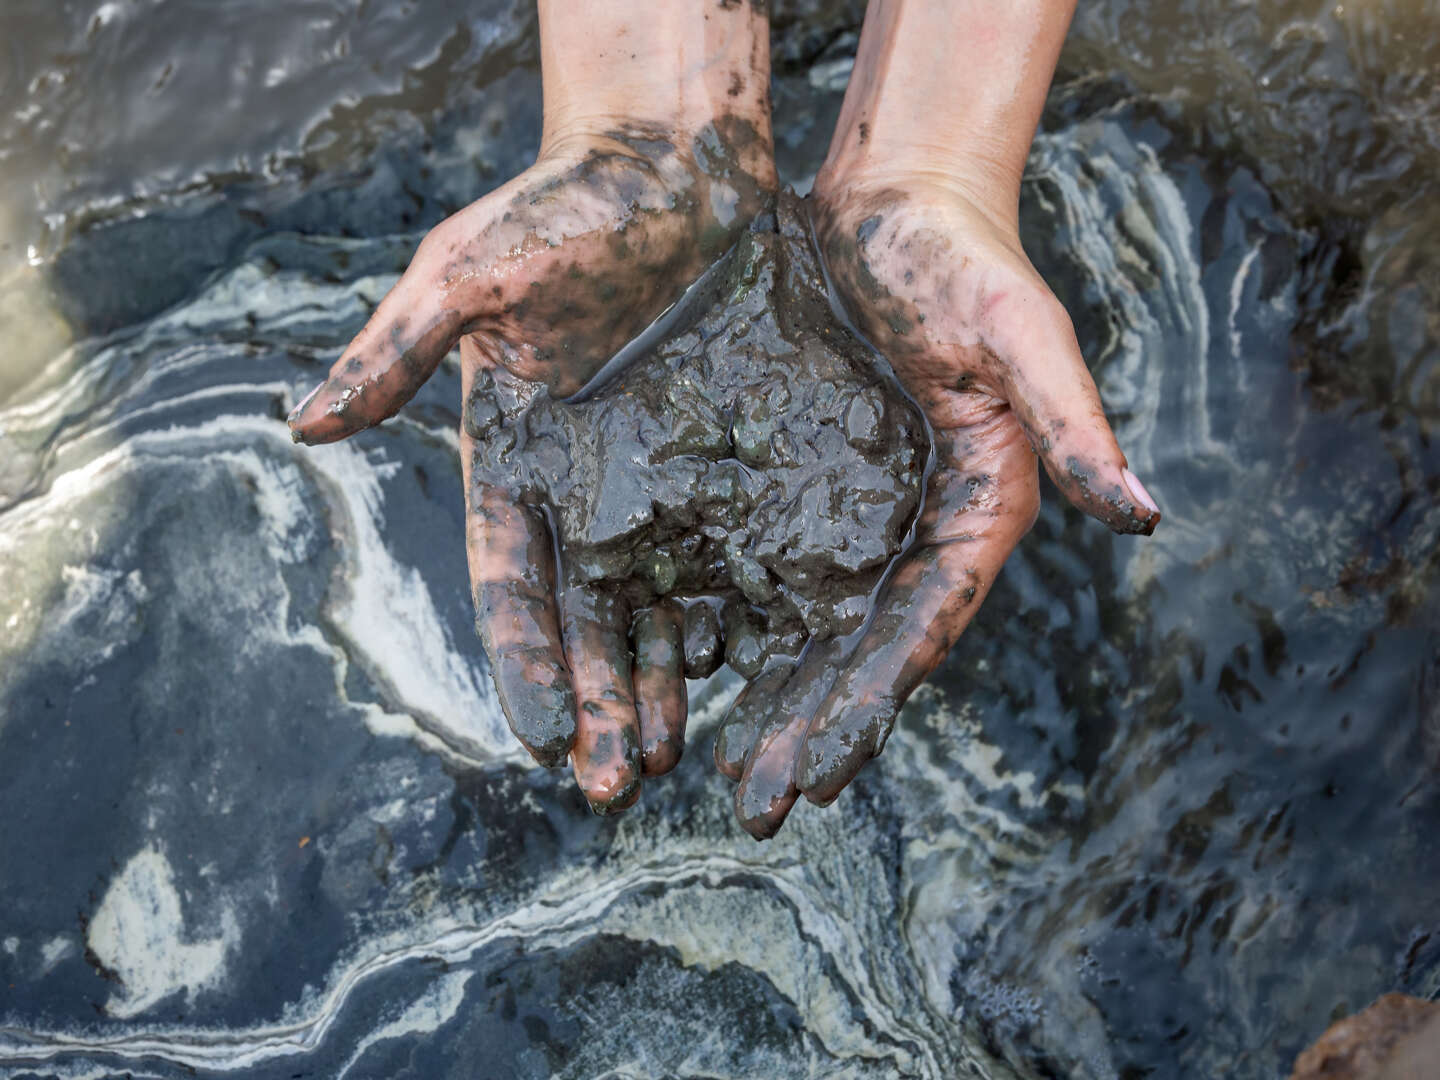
(924,609)
(767,789)
(704,650)
(661,702)
(512,577)
(1053,394)
(389,360)
(737,729)
(606,756)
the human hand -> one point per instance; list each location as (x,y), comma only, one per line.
(989,355)
(924,252)
(544,279)
(548,275)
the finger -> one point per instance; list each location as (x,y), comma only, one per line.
(512,578)
(745,639)
(767,790)
(973,519)
(704,650)
(1053,395)
(737,729)
(416,324)
(606,757)
(660,699)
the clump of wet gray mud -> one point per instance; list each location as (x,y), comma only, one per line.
(757,451)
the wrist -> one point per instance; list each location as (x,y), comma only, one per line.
(581,115)
(949,96)
(848,184)
(677,69)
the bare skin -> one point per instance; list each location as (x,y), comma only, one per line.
(916,212)
(656,153)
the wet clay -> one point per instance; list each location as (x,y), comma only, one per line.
(757,452)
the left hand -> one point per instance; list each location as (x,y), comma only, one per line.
(943,288)
(543,280)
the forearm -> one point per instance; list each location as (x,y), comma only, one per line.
(951,90)
(676,65)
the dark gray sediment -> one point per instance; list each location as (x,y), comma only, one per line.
(758,452)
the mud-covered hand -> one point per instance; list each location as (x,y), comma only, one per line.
(656,154)
(990,355)
(916,215)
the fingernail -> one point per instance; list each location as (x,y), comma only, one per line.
(1138,492)
(295,412)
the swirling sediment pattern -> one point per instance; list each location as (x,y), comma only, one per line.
(1167,807)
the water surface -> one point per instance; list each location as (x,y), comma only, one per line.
(1166,811)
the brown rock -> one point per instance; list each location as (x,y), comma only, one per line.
(1397,1038)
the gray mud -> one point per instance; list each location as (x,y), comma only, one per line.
(758,452)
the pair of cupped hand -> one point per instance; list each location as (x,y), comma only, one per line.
(549,275)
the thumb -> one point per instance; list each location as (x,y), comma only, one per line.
(415,325)
(1052,394)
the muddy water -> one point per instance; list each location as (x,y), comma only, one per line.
(1166,811)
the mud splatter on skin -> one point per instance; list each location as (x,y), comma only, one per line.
(1079,483)
(616,754)
(962,377)
(660,697)
(551,274)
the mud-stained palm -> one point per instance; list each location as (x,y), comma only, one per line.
(544,279)
(987,351)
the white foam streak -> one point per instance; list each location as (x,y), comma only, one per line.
(382,609)
(561,916)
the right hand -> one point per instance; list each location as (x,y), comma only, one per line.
(546,278)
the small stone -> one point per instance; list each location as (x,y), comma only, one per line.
(865,421)
(782,449)
(748,575)
(660,568)
(751,432)
(481,416)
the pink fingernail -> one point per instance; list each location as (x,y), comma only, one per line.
(1138,492)
(295,412)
